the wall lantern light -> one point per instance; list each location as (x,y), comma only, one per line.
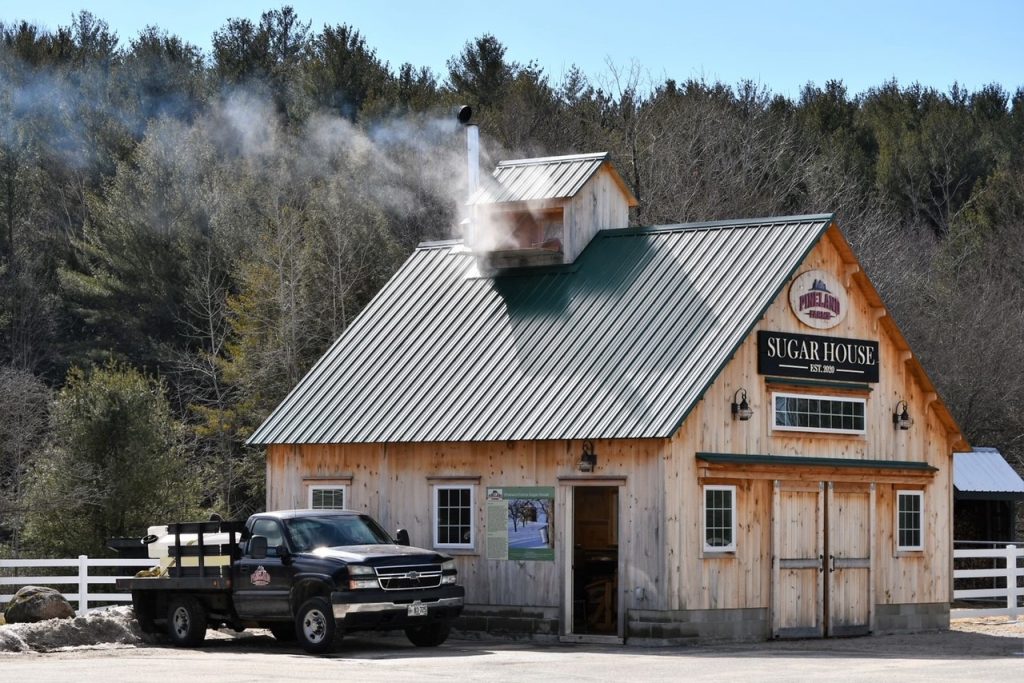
(740,407)
(901,418)
(588,460)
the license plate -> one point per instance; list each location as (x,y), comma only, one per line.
(417,610)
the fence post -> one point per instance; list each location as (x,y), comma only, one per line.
(1011,580)
(83,584)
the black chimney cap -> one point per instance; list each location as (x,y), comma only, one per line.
(465,113)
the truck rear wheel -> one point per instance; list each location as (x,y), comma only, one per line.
(428,635)
(144,609)
(315,627)
(186,621)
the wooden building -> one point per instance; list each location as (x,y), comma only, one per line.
(708,430)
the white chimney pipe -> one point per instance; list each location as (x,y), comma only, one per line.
(465,113)
(473,149)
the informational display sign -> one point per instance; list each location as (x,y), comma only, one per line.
(520,523)
(817,357)
(818,299)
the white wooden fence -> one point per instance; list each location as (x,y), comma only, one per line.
(77,577)
(1005,571)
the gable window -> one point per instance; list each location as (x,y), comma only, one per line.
(454,525)
(719,518)
(327,496)
(909,520)
(803,413)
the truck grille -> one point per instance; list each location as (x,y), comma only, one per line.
(409,577)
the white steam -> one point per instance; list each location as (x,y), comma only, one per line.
(411,166)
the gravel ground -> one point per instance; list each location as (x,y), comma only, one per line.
(992,626)
(116,628)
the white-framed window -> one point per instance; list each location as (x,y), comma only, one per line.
(328,496)
(719,518)
(454,516)
(909,520)
(809,413)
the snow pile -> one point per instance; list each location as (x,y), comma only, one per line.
(100,627)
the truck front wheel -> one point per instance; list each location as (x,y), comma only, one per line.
(186,621)
(429,635)
(283,631)
(315,627)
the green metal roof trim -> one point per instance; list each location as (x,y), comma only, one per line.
(622,345)
(804,461)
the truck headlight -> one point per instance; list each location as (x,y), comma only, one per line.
(360,576)
(449,574)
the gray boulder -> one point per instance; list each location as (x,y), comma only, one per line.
(36,603)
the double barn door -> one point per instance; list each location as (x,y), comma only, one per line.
(822,561)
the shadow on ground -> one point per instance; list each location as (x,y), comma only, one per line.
(944,645)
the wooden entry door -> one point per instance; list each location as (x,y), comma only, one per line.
(595,560)
(851,528)
(822,563)
(798,541)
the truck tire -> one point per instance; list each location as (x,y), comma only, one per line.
(428,635)
(186,621)
(144,609)
(283,631)
(315,627)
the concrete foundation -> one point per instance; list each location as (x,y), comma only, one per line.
(905,618)
(509,621)
(670,627)
(648,627)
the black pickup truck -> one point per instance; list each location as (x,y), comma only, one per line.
(310,575)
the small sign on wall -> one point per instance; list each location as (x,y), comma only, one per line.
(520,523)
(814,356)
(818,299)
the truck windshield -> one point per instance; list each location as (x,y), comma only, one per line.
(309,533)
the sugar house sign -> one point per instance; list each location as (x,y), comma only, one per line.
(818,300)
(817,357)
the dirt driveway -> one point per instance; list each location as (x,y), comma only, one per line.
(972,651)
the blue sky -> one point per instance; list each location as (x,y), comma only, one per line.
(781,45)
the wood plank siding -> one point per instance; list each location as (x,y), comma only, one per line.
(743,578)
(392,483)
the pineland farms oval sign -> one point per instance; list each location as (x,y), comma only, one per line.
(818,299)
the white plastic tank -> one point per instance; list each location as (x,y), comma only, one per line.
(158,541)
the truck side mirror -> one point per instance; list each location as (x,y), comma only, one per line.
(402,536)
(258,547)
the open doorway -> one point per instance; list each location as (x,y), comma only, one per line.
(595,562)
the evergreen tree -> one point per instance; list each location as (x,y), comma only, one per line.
(115,465)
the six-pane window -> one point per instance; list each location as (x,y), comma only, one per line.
(453,517)
(719,518)
(796,412)
(909,523)
(327,497)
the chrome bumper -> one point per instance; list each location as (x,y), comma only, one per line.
(342,610)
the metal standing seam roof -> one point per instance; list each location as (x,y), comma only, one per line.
(620,344)
(984,470)
(539,179)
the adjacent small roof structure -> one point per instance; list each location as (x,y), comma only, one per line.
(545,178)
(984,474)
